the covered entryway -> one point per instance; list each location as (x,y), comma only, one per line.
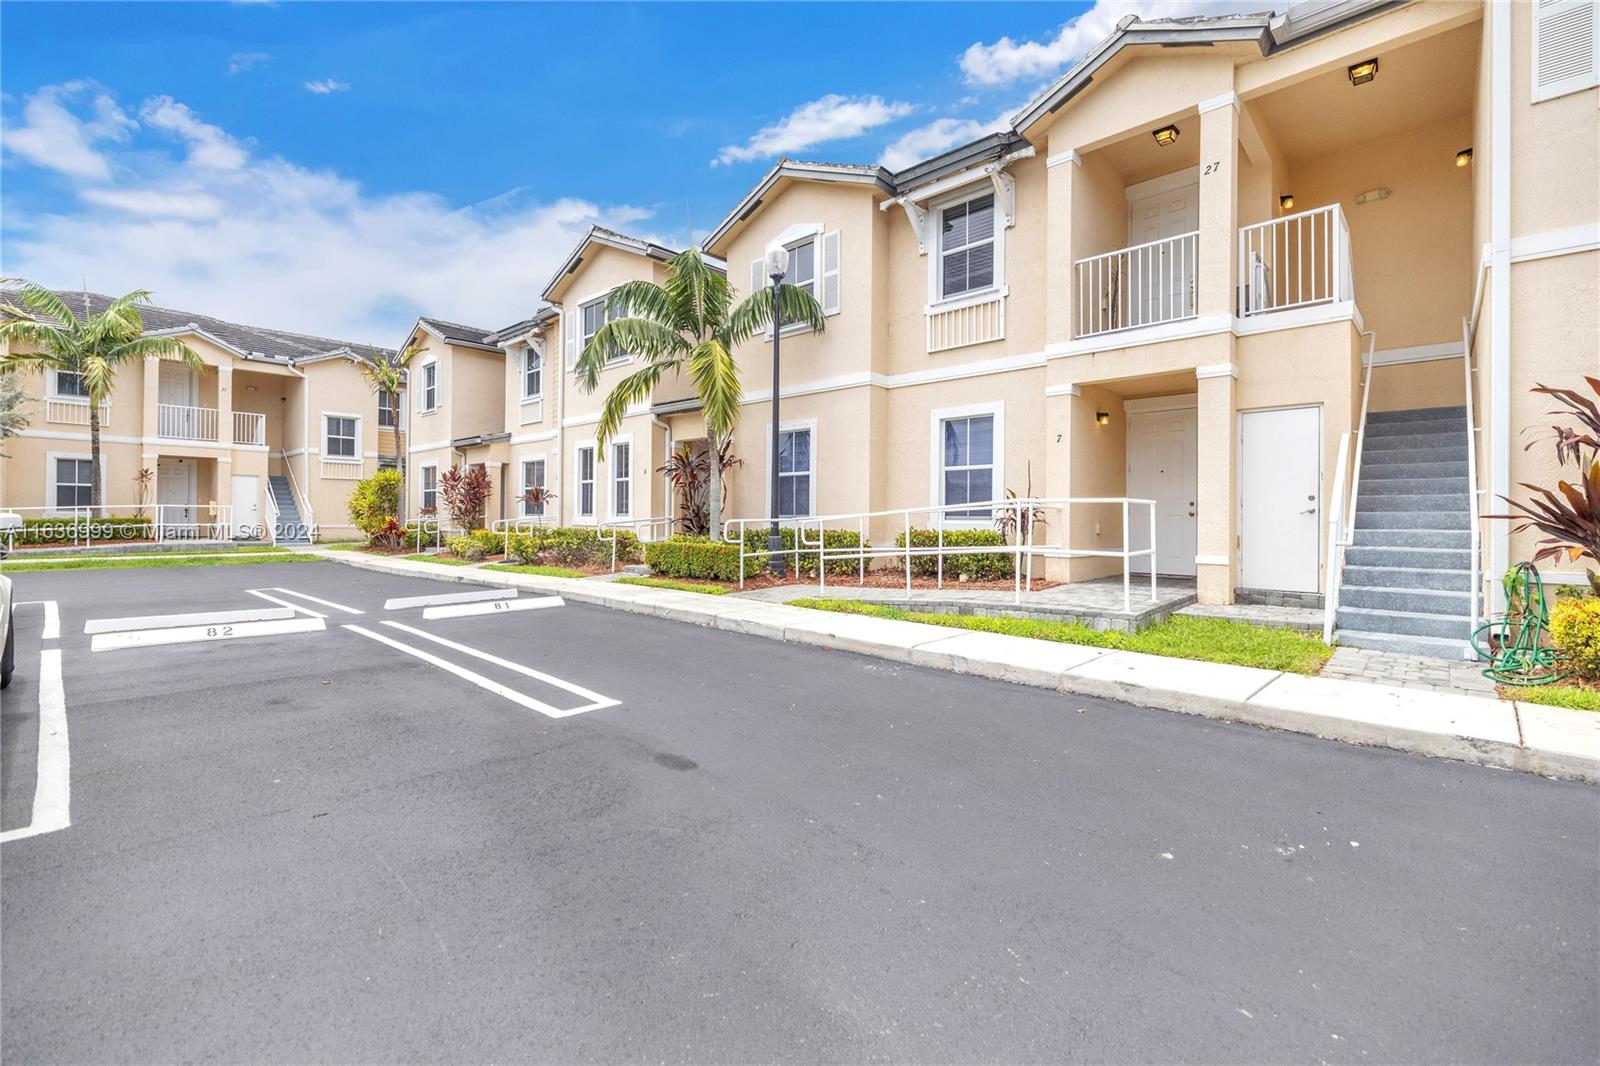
(177,491)
(247,507)
(1162,464)
(1280,498)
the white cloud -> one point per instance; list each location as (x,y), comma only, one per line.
(53,135)
(269,242)
(1006,61)
(326,86)
(240,62)
(832,118)
(913,146)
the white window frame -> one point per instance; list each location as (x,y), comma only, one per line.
(355,457)
(422,487)
(606,316)
(613,481)
(579,516)
(53,510)
(809,425)
(936,210)
(424,388)
(936,420)
(386,411)
(532,362)
(69,397)
(524,506)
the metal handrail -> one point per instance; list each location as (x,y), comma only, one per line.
(1335,569)
(301,500)
(633,525)
(1474,544)
(1330,606)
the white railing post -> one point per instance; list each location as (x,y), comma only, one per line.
(1152,509)
(1330,585)
(1127,581)
(1473,543)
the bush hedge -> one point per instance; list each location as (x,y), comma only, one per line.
(978,566)
(45,531)
(756,540)
(571,546)
(699,557)
(476,546)
(1575,627)
(373,502)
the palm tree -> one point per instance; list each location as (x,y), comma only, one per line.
(386,374)
(94,347)
(688,325)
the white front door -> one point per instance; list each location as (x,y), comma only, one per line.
(1280,498)
(176,486)
(1163,466)
(1161,280)
(246,506)
(176,392)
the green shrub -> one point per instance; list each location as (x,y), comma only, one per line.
(571,546)
(373,502)
(52,531)
(1575,626)
(756,540)
(466,547)
(978,566)
(699,557)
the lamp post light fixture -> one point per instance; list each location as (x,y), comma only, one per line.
(776,263)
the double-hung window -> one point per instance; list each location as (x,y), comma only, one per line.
(339,438)
(430,487)
(72,483)
(70,385)
(386,409)
(621,479)
(794,472)
(968,474)
(428,392)
(586,481)
(803,266)
(532,478)
(532,375)
(592,316)
(966,247)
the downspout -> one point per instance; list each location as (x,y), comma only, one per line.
(560,410)
(1500,16)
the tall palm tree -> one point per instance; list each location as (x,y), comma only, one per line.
(691,325)
(94,346)
(386,374)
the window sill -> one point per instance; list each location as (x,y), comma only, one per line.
(967,299)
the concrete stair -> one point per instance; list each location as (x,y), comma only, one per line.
(1407,581)
(290,527)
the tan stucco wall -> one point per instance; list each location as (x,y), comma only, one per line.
(1404,386)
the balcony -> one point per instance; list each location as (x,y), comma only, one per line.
(182,422)
(1146,285)
(249,428)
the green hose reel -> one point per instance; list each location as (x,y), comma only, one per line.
(1515,644)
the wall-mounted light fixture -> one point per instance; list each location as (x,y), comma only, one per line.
(1165,135)
(1464,157)
(1102,418)
(1363,72)
(1371,195)
(1286,201)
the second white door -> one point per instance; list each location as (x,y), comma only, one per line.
(1280,498)
(1162,466)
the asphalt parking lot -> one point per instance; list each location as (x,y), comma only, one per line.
(576,834)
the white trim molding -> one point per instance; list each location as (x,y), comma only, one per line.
(1211,560)
(1217,370)
(791,425)
(1421,353)
(1068,389)
(1212,103)
(1060,158)
(1183,401)
(1551,243)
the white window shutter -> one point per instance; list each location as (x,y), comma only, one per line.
(758,278)
(1566,47)
(569,337)
(830,272)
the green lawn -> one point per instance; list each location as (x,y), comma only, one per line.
(111,562)
(344,546)
(1207,639)
(445,560)
(539,571)
(1568,696)
(676,586)
(246,549)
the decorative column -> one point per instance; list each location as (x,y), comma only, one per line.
(1061,177)
(150,398)
(1061,402)
(1217,437)
(1217,264)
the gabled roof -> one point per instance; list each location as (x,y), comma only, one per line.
(455,332)
(249,342)
(610,239)
(540,318)
(801,170)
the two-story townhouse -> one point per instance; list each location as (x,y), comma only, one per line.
(267,437)
(457,408)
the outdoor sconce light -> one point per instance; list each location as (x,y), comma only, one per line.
(1102,418)
(1363,72)
(1165,135)
(1373,195)
(1286,201)
(1464,157)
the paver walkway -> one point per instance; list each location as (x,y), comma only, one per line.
(1409,671)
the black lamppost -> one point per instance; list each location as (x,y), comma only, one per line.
(777,265)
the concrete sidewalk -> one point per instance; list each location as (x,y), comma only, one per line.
(1544,740)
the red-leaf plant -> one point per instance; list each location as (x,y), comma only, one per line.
(465,492)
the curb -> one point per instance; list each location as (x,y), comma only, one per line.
(1549,741)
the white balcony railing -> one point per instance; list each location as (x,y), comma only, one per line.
(180,422)
(1296,261)
(73,412)
(249,428)
(1145,285)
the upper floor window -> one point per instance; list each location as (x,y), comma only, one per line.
(532,375)
(1566,47)
(592,316)
(967,246)
(339,440)
(70,384)
(803,266)
(813,266)
(387,405)
(428,389)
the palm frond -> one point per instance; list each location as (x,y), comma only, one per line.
(631,390)
(42,301)
(754,314)
(715,374)
(643,299)
(57,348)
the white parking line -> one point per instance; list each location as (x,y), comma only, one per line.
(52,617)
(467,675)
(295,607)
(464,610)
(403,602)
(52,789)
(316,599)
(194,634)
(198,618)
(596,701)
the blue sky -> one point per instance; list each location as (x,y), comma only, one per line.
(340,168)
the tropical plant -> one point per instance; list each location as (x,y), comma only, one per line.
(13,407)
(373,503)
(538,499)
(465,491)
(385,373)
(1570,515)
(1019,520)
(94,347)
(141,487)
(691,326)
(688,469)
(1575,627)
